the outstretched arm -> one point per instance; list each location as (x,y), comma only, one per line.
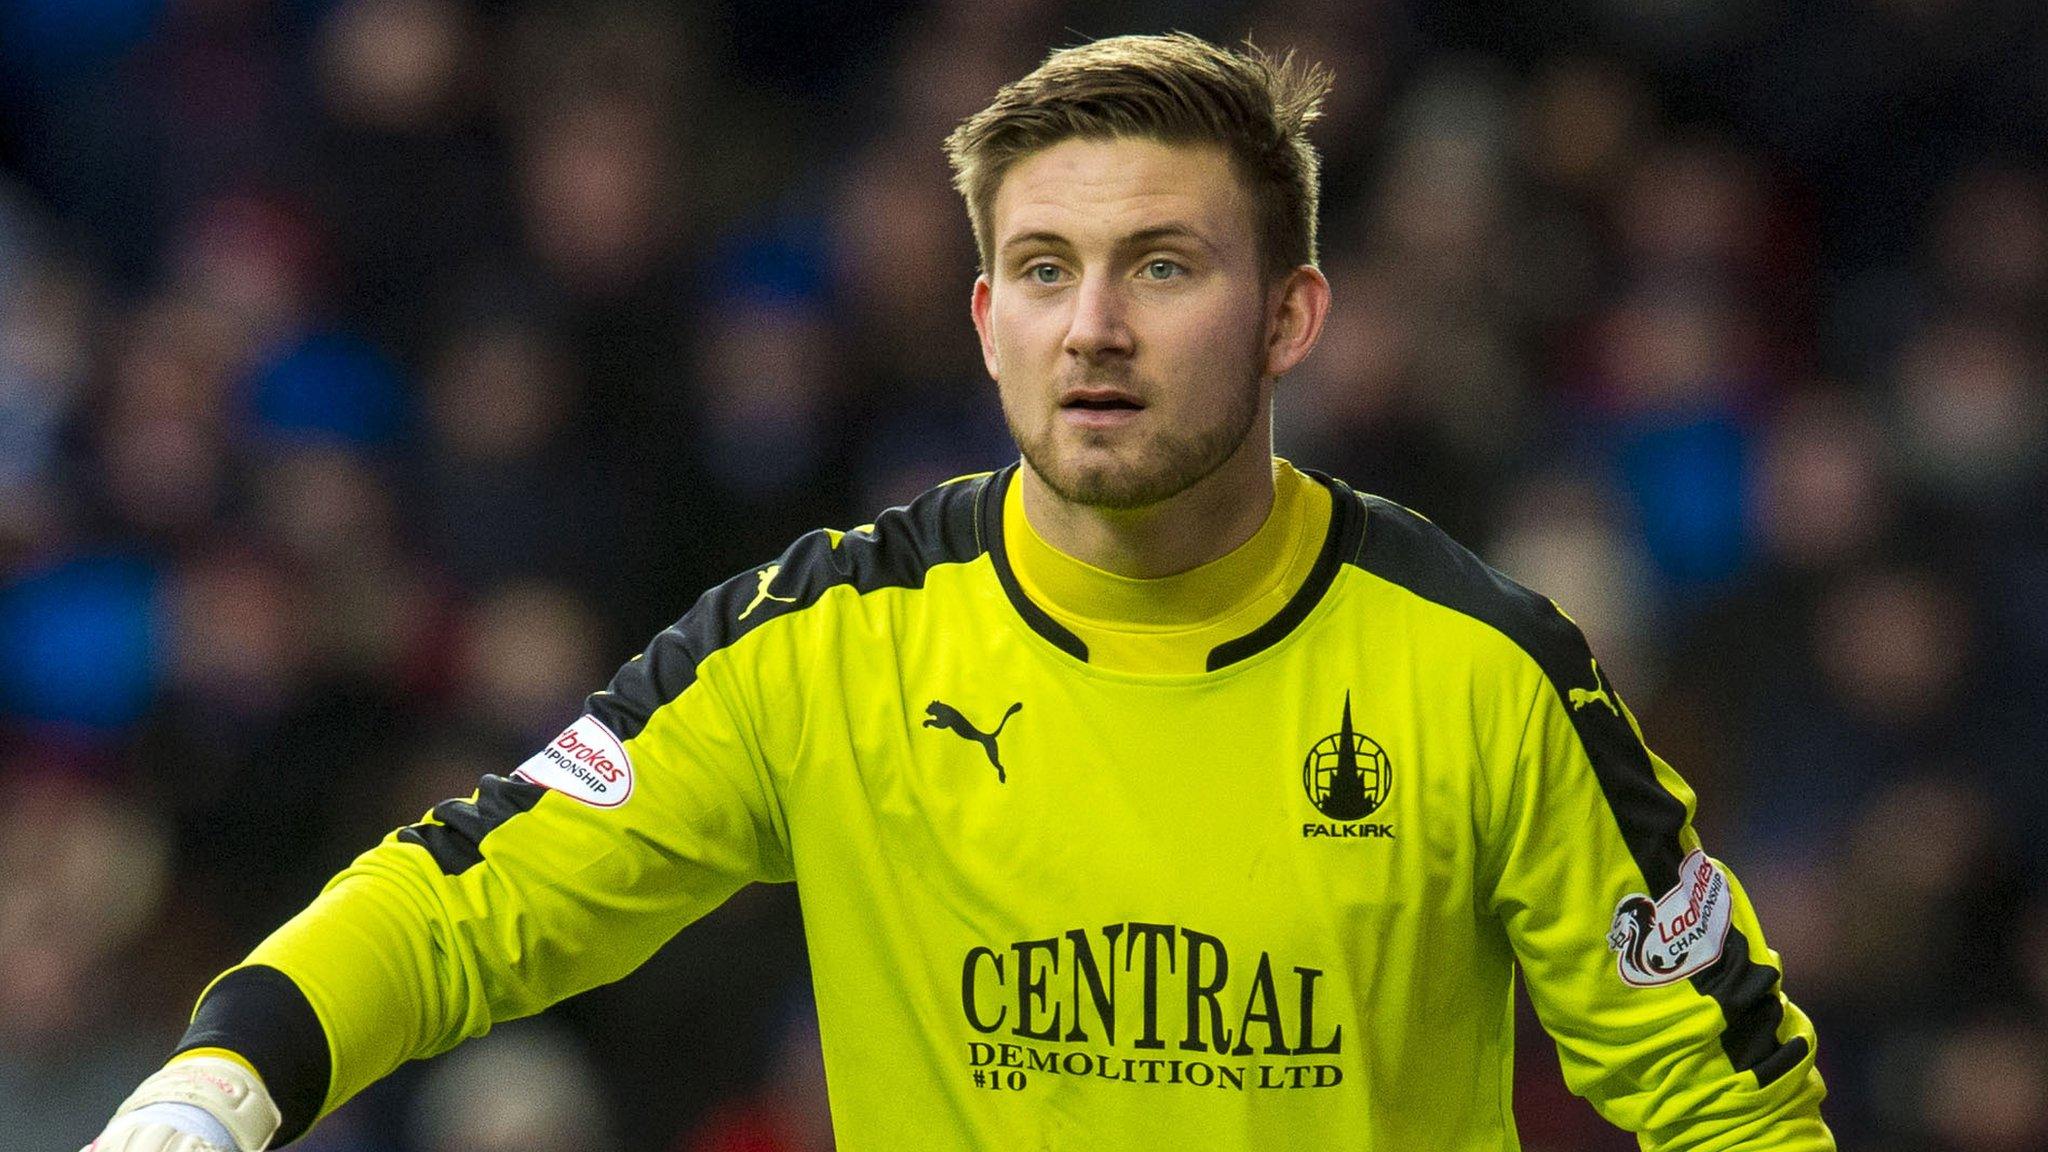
(566,873)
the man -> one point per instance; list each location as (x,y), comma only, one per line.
(1147,792)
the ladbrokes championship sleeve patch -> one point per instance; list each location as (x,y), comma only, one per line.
(1677,935)
(586,762)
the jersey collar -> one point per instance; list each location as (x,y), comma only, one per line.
(1179,598)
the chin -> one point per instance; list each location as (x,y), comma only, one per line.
(1138,471)
(1121,487)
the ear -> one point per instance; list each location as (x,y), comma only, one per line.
(980,306)
(1295,309)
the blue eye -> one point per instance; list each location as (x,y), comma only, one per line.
(1044,273)
(1163,270)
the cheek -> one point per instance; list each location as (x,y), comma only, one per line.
(1219,347)
(1025,340)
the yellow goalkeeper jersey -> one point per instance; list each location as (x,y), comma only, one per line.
(1250,878)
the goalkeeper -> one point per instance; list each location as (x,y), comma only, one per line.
(1145,792)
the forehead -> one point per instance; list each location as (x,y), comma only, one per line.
(1100,190)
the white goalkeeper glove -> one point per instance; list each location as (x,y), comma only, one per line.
(200,1104)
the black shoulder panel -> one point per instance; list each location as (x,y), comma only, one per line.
(259,1014)
(939,527)
(1405,549)
(456,842)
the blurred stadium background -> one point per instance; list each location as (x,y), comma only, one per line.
(376,374)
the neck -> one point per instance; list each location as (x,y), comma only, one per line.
(1204,521)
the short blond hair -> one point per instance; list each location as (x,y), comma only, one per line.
(1175,88)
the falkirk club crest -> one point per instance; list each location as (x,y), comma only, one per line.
(1347,775)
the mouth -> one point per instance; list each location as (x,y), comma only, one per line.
(1099,400)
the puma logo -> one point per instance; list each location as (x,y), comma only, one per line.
(939,714)
(1583,696)
(768,576)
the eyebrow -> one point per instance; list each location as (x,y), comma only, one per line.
(1142,238)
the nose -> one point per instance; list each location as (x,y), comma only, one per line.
(1099,325)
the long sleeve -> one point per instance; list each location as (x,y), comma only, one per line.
(1642,954)
(647,812)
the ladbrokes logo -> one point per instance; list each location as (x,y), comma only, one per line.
(1679,934)
(585,762)
(1181,1014)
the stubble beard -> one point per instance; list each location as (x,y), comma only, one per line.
(1160,467)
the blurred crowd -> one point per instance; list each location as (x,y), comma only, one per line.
(376,375)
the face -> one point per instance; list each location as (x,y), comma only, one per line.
(1127,321)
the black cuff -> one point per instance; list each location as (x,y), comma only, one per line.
(259,1014)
